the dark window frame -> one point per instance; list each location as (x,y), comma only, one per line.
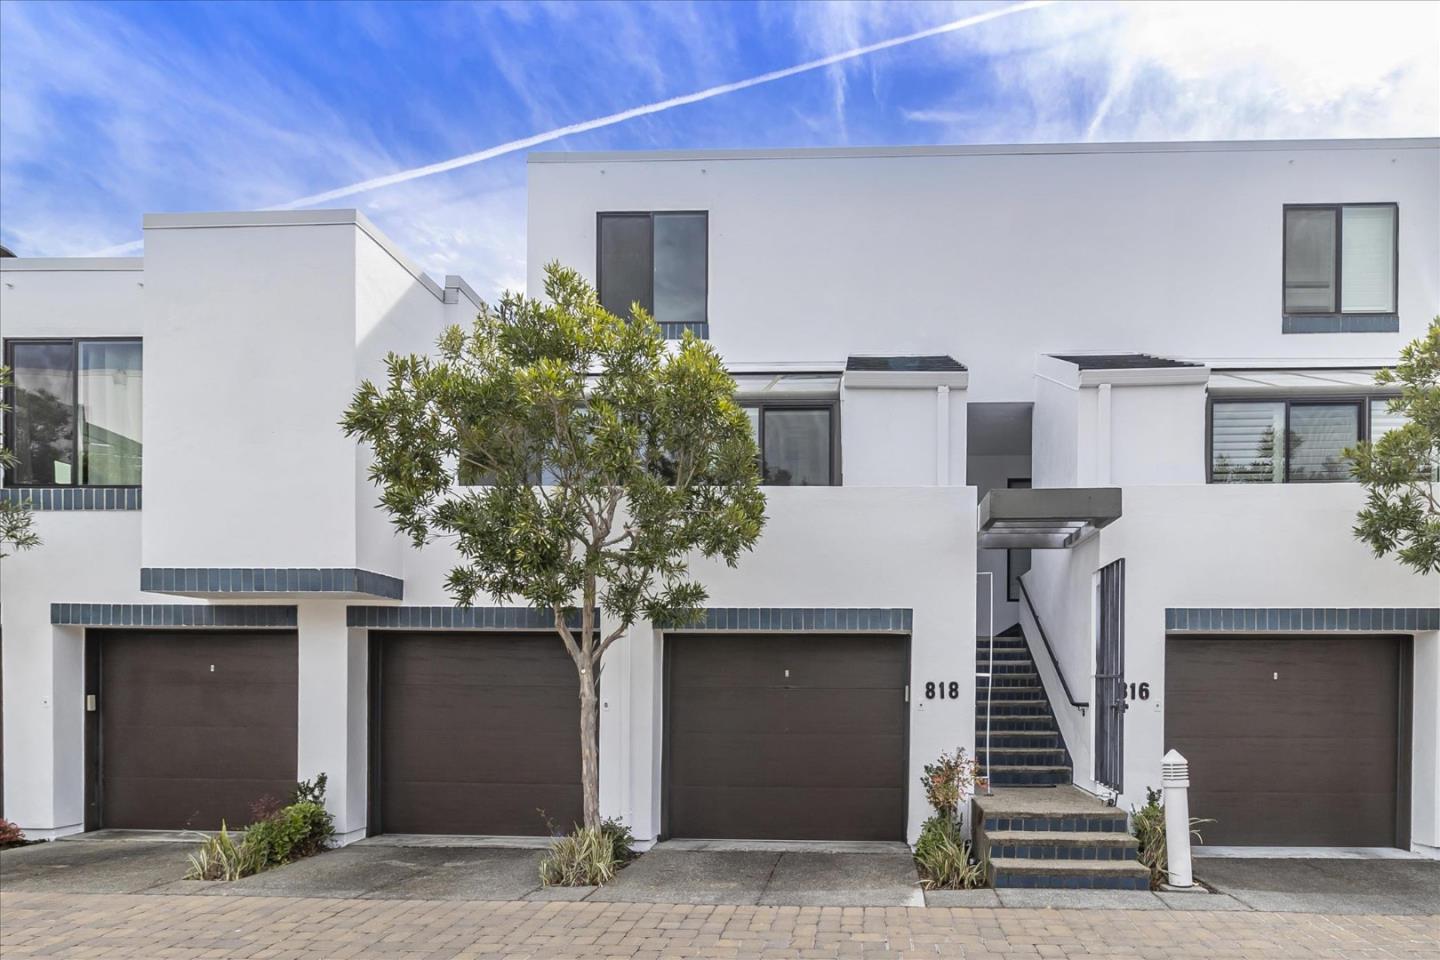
(74,343)
(1339,310)
(830,406)
(651,215)
(1363,401)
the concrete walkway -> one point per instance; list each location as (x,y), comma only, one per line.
(289,928)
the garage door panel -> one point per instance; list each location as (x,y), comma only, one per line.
(1291,741)
(478,731)
(873,760)
(752,753)
(851,662)
(206,700)
(483,758)
(184,746)
(496,809)
(835,710)
(1347,819)
(790,813)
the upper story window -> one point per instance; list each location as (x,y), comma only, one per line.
(75,412)
(658,260)
(1341,267)
(1292,440)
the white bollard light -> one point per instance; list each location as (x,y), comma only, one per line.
(1175,779)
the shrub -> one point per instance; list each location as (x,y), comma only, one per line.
(949,781)
(588,857)
(943,858)
(220,857)
(310,791)
(10,834)
(299,830)
(1149,825)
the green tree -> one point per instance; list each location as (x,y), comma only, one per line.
(603,462)
(16,529)
(1401,470)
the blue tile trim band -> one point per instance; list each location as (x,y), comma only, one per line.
(804,618)
(73,498)
(270,580)
(1340,323)
(456,618)
(171,615)
(1300,619)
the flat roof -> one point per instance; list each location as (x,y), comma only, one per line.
(1122,361)
(985,150)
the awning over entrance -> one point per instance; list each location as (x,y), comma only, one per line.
(1053,518)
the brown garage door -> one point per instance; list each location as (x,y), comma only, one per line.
(193,727)
(786,737)
(478,734)
(1292,741)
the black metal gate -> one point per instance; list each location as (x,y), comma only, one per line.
(1110,676)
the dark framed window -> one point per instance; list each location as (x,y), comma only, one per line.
(1291,439)
(659,260)
(798,441)
(75,412)
(1341,259)
(1017,559)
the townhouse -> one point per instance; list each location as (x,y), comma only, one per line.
(1090,398)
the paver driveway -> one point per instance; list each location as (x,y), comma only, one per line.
(162,925)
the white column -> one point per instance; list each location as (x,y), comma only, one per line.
(1425,747)
(942,436)
(1102,436)
(334,715)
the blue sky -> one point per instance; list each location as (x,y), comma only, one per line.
(109,111)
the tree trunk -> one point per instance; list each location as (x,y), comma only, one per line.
(590,744)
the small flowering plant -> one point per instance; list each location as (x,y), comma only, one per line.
(949,781)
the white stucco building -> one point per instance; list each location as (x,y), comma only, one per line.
(1167,344)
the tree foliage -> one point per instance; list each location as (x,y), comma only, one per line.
(17,531)
(601,461)
(1401,470)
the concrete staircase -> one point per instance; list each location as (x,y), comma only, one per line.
(1038,830)
(1026,749)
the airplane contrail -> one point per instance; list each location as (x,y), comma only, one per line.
(489,153)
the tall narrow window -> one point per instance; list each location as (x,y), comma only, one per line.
(76,417)
(658,260)
(109,408)
(41,431)
(1340,258)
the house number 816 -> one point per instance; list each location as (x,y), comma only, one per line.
(945,691)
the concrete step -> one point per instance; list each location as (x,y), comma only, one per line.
(1023,756)
(1058,845)
(1027,678)
(1068,875)
(1003,653)
(1002,668)
(1010,775)
(1010,705)
(999,724)
(1004,740)
(1061,808)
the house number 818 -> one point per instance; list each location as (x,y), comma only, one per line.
(945,691)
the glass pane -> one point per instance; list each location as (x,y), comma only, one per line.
(624,262)
(797,448)
(1309,261)
(1242,442)
(753,413)
(1382,421)
(44,414)
(110,386)
(1318,434)
(1367,260)
(680,266)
